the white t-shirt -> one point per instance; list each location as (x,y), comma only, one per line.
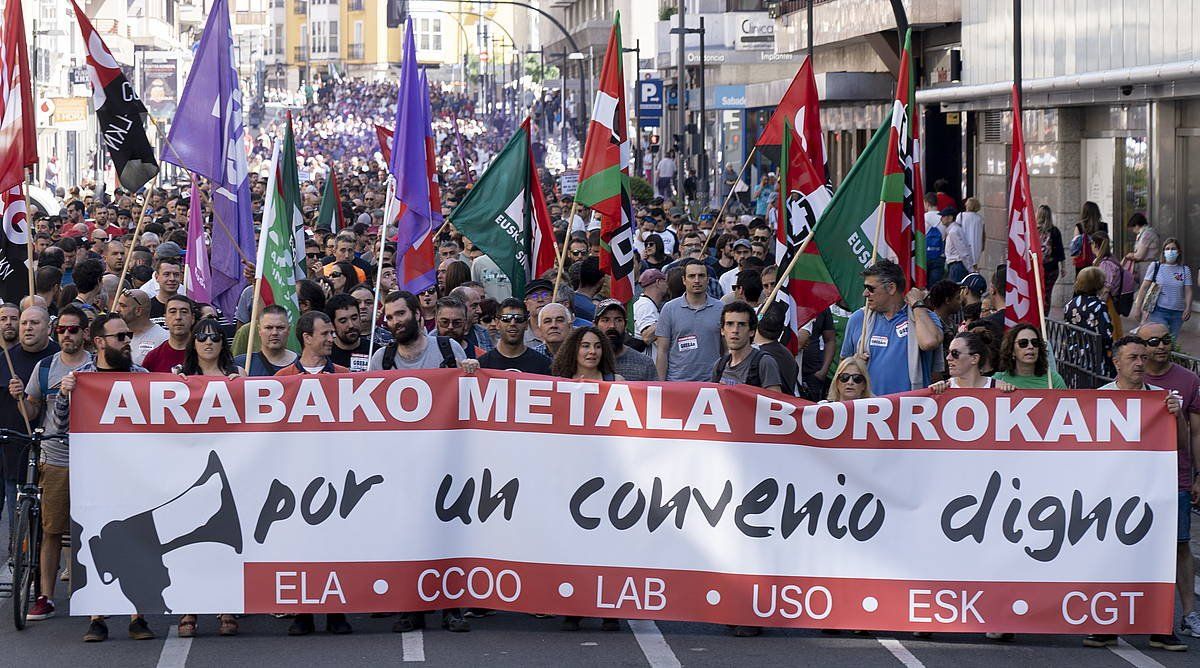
(148,340)
(666,168)
(645,314)
(728,279)
(495,282)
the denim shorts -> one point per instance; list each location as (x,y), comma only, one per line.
(1170,317)
(1185,516)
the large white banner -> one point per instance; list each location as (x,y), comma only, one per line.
(1029,512)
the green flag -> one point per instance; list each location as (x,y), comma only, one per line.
(505,214)
(277,268)
(329,217)
(845,234)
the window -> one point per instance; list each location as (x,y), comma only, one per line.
(429,34)
(332,37)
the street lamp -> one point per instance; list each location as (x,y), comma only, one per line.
(703,166)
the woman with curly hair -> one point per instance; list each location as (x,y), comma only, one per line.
(1024,362)
(586,354)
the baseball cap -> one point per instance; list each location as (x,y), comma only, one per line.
(538,285)
(167,249)
(647,278)
(975,283)
(948,211)
(742,243)
(613,303)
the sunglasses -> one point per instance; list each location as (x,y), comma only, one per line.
(487,319)
(335,274)
(1027,343)
(1156,341)
(313,256)
(215,337)
(119,336)
(513,317)
(857,378)
(870,288)
(955,354)
(540,294)
(68,329)
(578,253)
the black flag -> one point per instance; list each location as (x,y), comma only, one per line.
(119,110)
(14,251)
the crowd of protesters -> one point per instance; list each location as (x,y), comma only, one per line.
(106,301)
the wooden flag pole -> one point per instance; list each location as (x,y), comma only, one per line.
(720,214)
(562,252)
(387,216)
(12,373)
(137,230)
(780,278)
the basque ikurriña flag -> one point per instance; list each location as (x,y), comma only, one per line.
(903,204)
(119,111)
(208,138)
(604,174)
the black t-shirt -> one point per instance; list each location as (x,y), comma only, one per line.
(813,356)
(10,416)
(786,363)
(529,361)
(345,357)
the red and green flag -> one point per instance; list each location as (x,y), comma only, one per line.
(505,214)
(279,264)
(903,217)
(604,175)
(808,289)
(329,216)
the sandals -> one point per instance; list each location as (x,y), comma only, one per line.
(229,626)
(187,626)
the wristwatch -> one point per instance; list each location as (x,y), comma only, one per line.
(920,304)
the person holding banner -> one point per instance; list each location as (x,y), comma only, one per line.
(112,340)
(1023,360)
(1131,358)
(967,351)
(850,382)
(1164,373)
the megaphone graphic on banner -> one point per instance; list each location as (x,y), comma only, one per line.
(131,550)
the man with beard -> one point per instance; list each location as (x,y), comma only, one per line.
(471,294)
(180,316)
(111,338)
(630,364)
(53,474)
(412,348)
(134,308)
(33,345)
(274,355)
(10,318)
(511,353)
(350,348)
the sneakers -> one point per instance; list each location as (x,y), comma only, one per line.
(1100,640)
(1190,625)
(335,623)
(302,625)
(97,631)
(1169,642)
(140,630)
(43,608)
(747,631)
(1002,637)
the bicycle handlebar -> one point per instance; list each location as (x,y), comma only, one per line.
(7,435)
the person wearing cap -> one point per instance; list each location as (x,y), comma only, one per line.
(537,295)
(629,363)
(688,332)
(973,286)
(957,248)
(741,250)
(647,306)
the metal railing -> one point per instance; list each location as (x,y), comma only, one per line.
(1186,361)
(355,5)
(1079,355)
(300,52)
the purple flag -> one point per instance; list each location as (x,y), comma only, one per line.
(435,195)
(415,270)
(207,137)
(196,278)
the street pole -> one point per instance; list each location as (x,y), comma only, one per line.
(562,109)
(1017,56)
(637,110)
(704,122)
(680,97)
(810,32)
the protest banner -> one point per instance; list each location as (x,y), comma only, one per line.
(1034,512)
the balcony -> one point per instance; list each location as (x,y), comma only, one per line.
(355,5)
(300,6)
(300,53)
(355,51)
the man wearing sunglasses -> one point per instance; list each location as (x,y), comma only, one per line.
(1164,373)
(511,353)
(42,388)
(111,338)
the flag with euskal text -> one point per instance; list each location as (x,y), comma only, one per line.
(207,137)
(1022,297)
(18,134)
(808,289)
(604,174)
(275,270)
(14,248)
(505,214)
(119,112)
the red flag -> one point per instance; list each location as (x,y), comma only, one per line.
(384,136)
(800,106)
(604,174)
(1022,296)
(18,138)
(903,217)
(803,196)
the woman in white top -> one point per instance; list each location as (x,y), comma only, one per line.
(963,365)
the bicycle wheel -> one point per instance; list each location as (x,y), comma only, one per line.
(25,560)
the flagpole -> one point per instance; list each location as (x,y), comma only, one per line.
(720,214)
(387,216)
(137,229)
(20,404)
(562,252)
(28,251)
(780,279)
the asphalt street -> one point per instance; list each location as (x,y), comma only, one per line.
(508,639)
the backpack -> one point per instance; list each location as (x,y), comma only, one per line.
(44,380)
(935,245)
(1081,251)
(752,378)
(448,359)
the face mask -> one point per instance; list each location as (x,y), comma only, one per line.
(1171,255)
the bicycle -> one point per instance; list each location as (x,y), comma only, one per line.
(27,536)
